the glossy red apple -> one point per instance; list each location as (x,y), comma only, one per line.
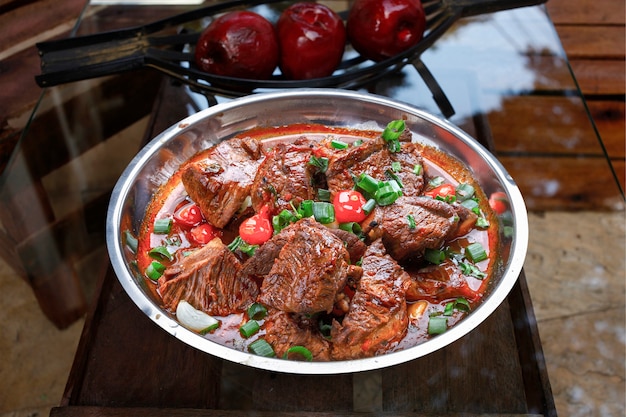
(239,44)
(381,29)
(312,39)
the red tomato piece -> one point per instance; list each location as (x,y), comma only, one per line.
(443,191)
(258,228)
(499,202)
(349,206)
(204,233)
(189,215)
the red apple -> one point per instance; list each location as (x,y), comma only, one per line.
(381,29)
(312,39)
(239,44)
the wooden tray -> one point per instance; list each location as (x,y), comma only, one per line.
(126,365)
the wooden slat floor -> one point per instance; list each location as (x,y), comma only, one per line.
(593,36)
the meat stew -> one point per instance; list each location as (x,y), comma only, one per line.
(246,232)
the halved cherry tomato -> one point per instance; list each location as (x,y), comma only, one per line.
(204,233)
(499,202)
(349,206)
(258,228)
(443,191)
(188,215)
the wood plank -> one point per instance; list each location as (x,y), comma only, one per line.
(564,183)
(609,117)
(600,76)
(479,359)
(538,124)
(170,412)
(584,12)
(594,41)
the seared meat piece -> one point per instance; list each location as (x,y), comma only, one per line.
(377,317)
(284,177)
(434,222)
(209,280)
(309,271)
(356,247)
(261,263)
(284,330)
(365,158)
(439,282)
(409,157)
(220,183)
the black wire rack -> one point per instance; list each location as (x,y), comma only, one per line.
(154,46)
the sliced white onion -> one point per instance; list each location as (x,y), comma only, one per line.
(194,319)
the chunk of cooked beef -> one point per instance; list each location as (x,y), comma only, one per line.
(365,158)
(309,271)
(209,280)
(356,247)
(377,317)
(220,182)
(409,157)
(440,282)
(285,177)
(410,226)
(261,263)
(284,330)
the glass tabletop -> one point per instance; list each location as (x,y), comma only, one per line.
(505,75)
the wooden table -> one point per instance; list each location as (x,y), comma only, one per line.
(511,88)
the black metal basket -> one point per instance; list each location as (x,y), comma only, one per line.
(92,56)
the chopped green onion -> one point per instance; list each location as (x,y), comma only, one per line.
(388,193)
(396,166)
(436,182)
(368,183)
(482,222)
(393,130)
(257,311)
(162,226)
(418,169)
(369,206)
(160,253)
(471,270)
(394,177)
(338,144)
(434,256)
(321,163)
(323,212)
(392,134)
(411,221)
(470,204)
(194,319)
(131,241)
(249,328)
(437,325)
(357,142)
(475,252)
(306,208)
(323,195)
(262,348)
(299,350)
(155,270)
(239,244)
(325,328)
(460,304)
(464,192)
(352,227)
(283,219)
